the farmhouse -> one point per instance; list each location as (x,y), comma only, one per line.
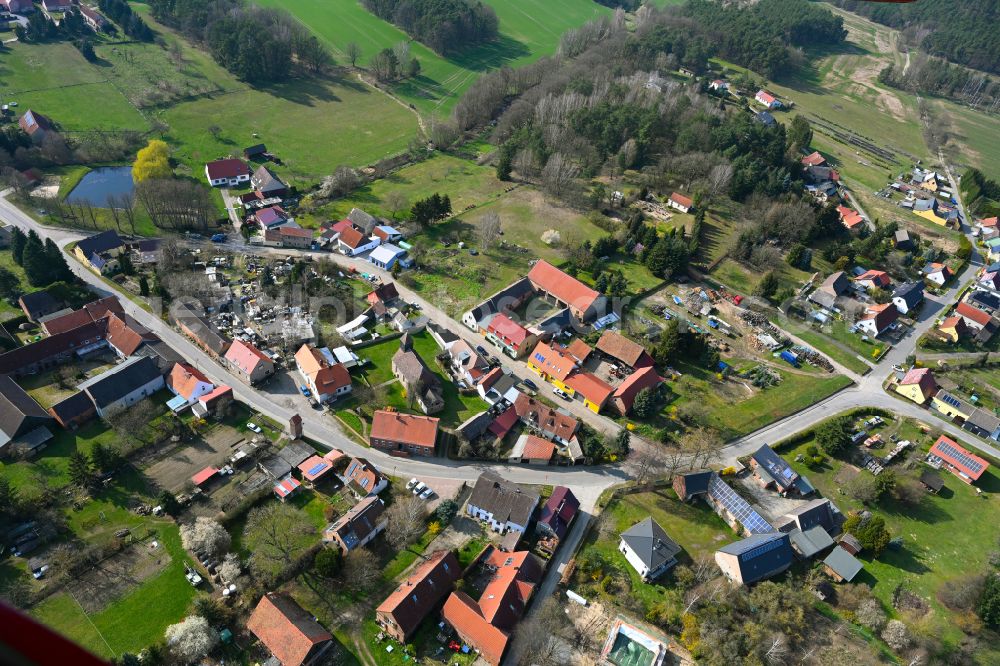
(230,172)
(550,423)
(510,298)
(53,350)
(187,383)
(936,273)
(515,340)
(486,624)
(908,296)
(583,302)
(532,450)
(680,202)
(416,377)
(755,558)
(326,379)
(877,319)
(772,471)
(364,478)
(849,218)
(123,385)
(248,363)
(767,99)
(353,242)
(405,433)
(813,159)
(35,125)
(965,465)
(74,411)
(196,327)
(291,634)
(873,279)
(89,313)
(126,336)
(951,406)
(918,385)
(363,221)
(100,251)
(23,422)
(359,526)
(648,549)
(417,596)
(289,236)
(92,18)
(501,504)
(593,390)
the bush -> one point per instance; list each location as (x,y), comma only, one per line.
(834,435)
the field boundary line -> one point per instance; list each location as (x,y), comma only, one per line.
(87,615)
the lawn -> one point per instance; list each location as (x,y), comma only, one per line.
(8,311)
(529,30)
(956,525)
(694,527)
(839,352)
(465,182)
(56,81)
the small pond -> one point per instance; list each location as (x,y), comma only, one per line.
(101,185)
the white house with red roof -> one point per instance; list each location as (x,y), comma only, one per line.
(680,202)
(767,99)
(988,228)
(878,319)
(188,382)
(937,273)
(719,85)
(873,279)
(849,218)
(228,172)
(813,159)
(290,634)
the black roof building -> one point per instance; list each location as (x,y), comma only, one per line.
(504,500)
(911,293)
(757,557)
(651,544)
(20,415)
(110,387)
(99,243)
(39,303)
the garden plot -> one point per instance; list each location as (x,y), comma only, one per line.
(118,575)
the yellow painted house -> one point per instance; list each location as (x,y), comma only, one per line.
(917,385)
(952,328)
(553,363)
(931,216)
(951,406)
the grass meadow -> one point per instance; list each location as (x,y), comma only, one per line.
(528,30)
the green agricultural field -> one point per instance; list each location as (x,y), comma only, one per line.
(529,30)
(956,525)
(56,81)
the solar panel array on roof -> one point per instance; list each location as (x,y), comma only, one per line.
(960,456)
(751,521)
(317,468)
(951,400)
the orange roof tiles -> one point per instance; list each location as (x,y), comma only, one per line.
(184,379)
(289,632)
(404,428)
(567,289)
(591,387)
(554,360)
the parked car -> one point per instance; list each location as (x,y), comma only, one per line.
(562,394)
(253,427)
(40,571)
(530,384)
(427,494)
(482,350)
(412,482)
(219,238)
(305,391)
(419,488)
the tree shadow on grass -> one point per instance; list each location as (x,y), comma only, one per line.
(905,559)
(925,512)
(491,55)
(306,92)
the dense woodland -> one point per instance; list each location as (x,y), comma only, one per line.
(255,44)
(446,26)
(962,31)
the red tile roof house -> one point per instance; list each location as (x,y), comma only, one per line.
(408,434)
(327,381)
(514,339)
(877,319)
(248,363)
(849,218)
(295,237)
(618,347)
(531,450)
(229,172)
(363,478)
(813,159)
(583,302)
(270,217)
(359,526)
(545,420)
(594,390)
(417,596)
(314,469)
(487,624)
(963,464)
(873,279)
(89,313)
(188,382)
(291,634)
(767,99)
(385,294)
(221,396)
(922,382)
(624,396)
(680,202)
(353,242)
(975,319)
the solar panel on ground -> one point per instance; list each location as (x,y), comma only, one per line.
(752,521)
(960,456)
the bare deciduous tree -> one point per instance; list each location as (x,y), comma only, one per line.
(559,174)
(406,519)
(205,535)
(396,201)
(353,52)
(191,639)
(344,180)
(719,178)
(279,534)
(540,637)
(361,569)
(488,230)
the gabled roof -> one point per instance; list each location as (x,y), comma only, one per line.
(818,512)
(776,467)
(71,408)
(352,238)
(505,500)
(362,220)
(813,159)
(650,543)
(39,303)
(507,328)
(464,614)
(265,180)
(590,386)
(618,346)
(916,376)
(636,382)
(385,253)
(19,413)
(966,462)
(270,216)
(877,278)
(184,379)
(540,415)
(910,292)
(127,335)
(88,313)
(810,541)
(246,357)
(843,564)
(426,585)
(362,474)
(766,97)
(975,314)
(554,360)
(882,315)
(108,387)
(681,200)
(559,510)
(355,525)
(761,555)
(567,289)
(405,428)
(227,168)
(531,447)
(289,632)
(385,293)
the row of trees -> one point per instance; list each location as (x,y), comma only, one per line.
(446,26)
(121,13)
(43,262)
(257,45)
